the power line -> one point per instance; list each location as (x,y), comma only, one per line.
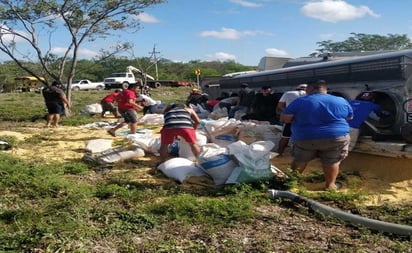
(154,57)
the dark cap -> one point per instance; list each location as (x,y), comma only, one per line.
(244,85)
(54,83)
(266,87)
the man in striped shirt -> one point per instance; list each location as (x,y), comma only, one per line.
(182,121)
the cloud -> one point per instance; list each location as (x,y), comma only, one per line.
(8,36)
(276,52)
(335,10)
(245,3)
(147,18)
(231,34)
(221,56)
(83,53)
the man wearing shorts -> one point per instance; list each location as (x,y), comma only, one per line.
(182,121)
(55,99)
(109,104)
(319,129)
(287,98)
(127,107)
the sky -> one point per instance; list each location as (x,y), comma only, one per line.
(244,31)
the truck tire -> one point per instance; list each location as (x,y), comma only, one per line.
(76,88)
(99,87)
(125,85)
(157,85)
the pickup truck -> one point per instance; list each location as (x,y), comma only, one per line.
(123,79)
(86,84)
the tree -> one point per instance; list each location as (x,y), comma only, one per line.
(366,42)
(27,25)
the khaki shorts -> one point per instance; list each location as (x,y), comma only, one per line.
(330,151)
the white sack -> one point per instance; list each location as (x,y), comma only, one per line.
(151,119)
(98,145)
(184,148)
(179,169)
(254,161)
(218,113)
(249,132)
(149,144)
(115,155)
(216,162)
(224,140)
(221,131)
(92,109)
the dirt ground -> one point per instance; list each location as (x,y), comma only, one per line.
(385,179)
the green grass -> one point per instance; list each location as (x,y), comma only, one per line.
(27,106)
(71,207)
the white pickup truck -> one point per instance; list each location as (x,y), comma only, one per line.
(123,79)
(86,84)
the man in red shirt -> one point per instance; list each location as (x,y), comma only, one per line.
(126,102)
(109,104)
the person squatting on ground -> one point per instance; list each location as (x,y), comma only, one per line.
(284,101)
(196,97)
(148,103)
(182,121)
(264,106)
(246,96)
(127,107)
(109,104)
(55,99)
(319,129)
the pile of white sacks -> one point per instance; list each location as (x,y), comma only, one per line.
(232,151)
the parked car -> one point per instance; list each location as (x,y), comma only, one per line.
(86,84)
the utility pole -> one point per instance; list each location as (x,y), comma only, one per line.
(154,57)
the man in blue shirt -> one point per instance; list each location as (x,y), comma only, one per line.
(363,107)
(319,129)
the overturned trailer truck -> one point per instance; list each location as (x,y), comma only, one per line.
(387,75)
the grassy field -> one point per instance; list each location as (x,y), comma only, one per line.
(70,205)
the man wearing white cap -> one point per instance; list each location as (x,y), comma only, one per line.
(284,101)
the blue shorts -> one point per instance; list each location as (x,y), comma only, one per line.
(55,108)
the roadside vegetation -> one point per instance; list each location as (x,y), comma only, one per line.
(72,206)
